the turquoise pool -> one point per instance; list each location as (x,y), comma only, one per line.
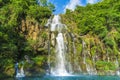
(77,77)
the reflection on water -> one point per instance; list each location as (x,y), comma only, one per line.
(79,77)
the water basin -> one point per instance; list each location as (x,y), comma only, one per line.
(72,77)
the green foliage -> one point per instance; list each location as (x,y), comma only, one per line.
(45,3)
(101,19)
(51,6)
(44,35)
(93,50)
(13,44)
(102,65)
(39,60)
(38,12)
(29,45)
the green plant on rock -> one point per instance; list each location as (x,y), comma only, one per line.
(105,66)
(39,60)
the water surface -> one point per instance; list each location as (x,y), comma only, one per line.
(78,77)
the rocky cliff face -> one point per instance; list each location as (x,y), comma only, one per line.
(86,53)
(36,34)
(90,54)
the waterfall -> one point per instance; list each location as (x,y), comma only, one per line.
(91,70)
(56,25)
(19,73)
(117,65)
(59,67)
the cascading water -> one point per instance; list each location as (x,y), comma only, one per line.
(56,25)
(117,65)
(19,73)
(60,65)
(60,68)
(91,70)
